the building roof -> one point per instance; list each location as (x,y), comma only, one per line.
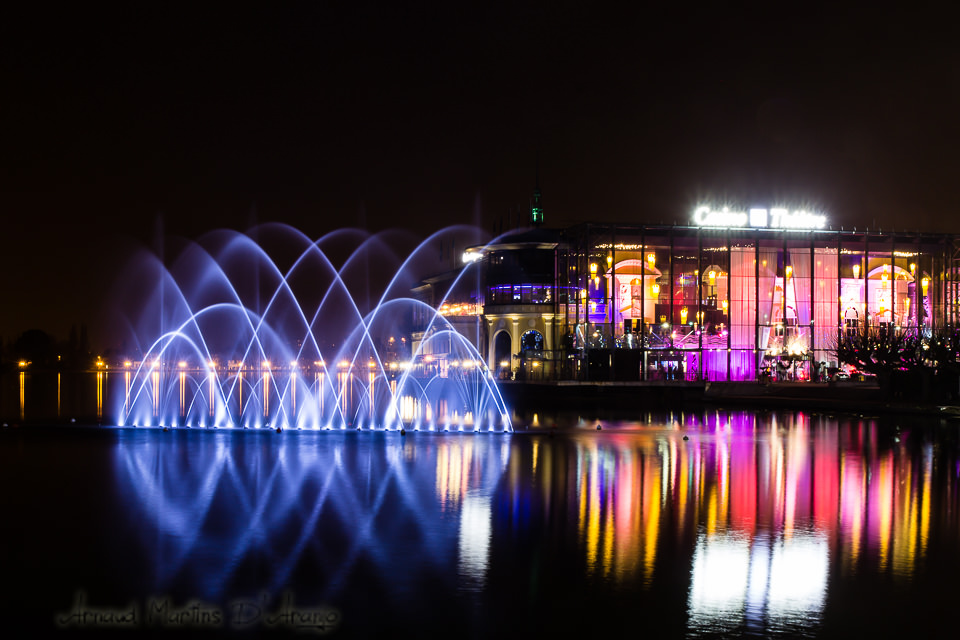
(524,238)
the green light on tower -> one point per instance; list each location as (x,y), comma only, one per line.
(536,209)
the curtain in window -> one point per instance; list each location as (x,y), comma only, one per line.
(743,316)
(769,261)
(800,261)
(743,364)
(826,316)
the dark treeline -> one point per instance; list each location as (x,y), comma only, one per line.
(42,350)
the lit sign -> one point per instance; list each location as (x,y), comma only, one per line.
(777,218)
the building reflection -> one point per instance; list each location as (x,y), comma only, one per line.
(748,522)
(767,507)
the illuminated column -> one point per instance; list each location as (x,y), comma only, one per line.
(548,333)
(699,323)
(866,283)
(911,311)
(811,302)
(726,303)
(491,345)
(611,291)
(893,284)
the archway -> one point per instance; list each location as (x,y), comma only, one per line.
(502,354)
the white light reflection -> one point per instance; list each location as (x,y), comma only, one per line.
(766,586)
(719,582)
(475,532)
(798,576)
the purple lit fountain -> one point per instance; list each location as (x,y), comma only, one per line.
(228,335)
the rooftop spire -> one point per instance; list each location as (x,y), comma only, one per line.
(536,206)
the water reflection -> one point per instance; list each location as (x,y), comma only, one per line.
(760,584)
(761,518)
(740,477)
(765,509)
(214,503)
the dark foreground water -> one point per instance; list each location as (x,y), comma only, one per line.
(684,525)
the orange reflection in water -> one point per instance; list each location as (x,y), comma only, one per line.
(23,409)
(813,480)
(100,375)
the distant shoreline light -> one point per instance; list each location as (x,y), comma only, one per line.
(757,218)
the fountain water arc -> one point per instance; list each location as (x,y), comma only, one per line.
(227,336)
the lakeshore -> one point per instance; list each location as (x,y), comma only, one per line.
(614,397)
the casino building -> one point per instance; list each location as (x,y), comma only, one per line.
(735,295)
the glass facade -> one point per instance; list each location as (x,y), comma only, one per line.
(690,303)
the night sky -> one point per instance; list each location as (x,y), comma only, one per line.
(118,122)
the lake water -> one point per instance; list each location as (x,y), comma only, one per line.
(705,523)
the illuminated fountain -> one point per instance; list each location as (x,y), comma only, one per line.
(228,336)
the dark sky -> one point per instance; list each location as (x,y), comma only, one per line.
(381,115)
